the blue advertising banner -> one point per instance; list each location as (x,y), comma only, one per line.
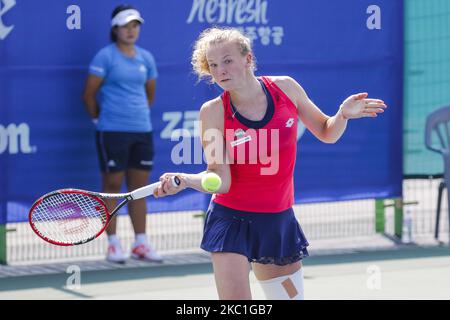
(332,48)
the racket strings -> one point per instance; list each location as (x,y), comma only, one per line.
(69,217)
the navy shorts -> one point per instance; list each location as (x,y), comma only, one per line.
(267,238)
(119,151)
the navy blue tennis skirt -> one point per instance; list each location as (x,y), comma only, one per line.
(267,238)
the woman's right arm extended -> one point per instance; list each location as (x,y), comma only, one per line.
(211,129)
(93,84)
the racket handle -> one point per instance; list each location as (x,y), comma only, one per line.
(148,190)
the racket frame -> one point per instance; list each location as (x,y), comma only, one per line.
(99,197)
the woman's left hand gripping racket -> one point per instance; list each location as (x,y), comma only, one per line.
(70,217)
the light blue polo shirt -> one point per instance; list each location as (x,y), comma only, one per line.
(122,97)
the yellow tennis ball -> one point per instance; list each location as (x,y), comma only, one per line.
(211,182)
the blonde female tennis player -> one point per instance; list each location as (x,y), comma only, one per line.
(250,218)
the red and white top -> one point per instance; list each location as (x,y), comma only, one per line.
(262,154)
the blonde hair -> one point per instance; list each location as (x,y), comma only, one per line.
(212,36)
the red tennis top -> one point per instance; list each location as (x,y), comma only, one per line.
(262,154)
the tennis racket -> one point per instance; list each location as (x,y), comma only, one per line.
(68,217)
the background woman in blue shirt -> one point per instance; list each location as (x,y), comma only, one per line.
(120,89)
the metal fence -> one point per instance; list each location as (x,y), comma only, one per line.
(182,231)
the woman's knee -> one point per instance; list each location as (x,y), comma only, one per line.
(287,287)
(232,276)
(281,282)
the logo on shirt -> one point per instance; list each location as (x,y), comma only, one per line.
(98,69)
(241,138)
(241,141)
(290,122)
(142,68)
(239,133)
(111,163)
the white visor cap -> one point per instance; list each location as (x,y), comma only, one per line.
(125,16)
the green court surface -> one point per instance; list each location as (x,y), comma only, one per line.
(407,272)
